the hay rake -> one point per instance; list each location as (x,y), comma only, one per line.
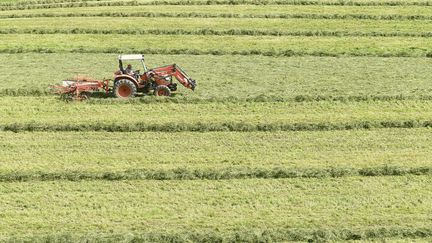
(80,88)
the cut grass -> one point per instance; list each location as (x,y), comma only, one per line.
(214,155)
(217,45)
(145,142)
(401,12)
(237,78)
(48,114)
(276,210)
(219,26)
(75,4)
(219,15)
(36,2)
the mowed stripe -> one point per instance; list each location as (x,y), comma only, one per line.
(287,209)
(213,155)
(75,4)
(217,45)
(236,11)
(219,26)
(49,114)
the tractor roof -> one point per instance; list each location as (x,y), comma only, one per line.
(131,57)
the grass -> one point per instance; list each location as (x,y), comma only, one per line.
(396,240)
(238,11)
(47,114)
(311,122)
(213,155)
(225,78)
(74,3)
(215,45)
(171,209)
(219,26)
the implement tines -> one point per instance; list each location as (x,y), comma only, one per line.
(79,87)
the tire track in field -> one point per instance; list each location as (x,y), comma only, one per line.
(102,98)
(213,127)
(74,4)
(36,2)
(223,15)
(218,52)
(214,174)
(232,32)
(239,235)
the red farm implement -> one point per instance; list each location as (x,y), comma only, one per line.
(80,88)
(128,82)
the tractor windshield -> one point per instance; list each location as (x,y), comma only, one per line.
(128,63)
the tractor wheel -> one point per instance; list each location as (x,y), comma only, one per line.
(162,90)
(84,96)
(124,88)
(66,97)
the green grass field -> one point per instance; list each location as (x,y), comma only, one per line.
(240,155)
(225,78)
(215,26)
(219,210)
(216,45)
(49,114)
(281,11)
(311,122)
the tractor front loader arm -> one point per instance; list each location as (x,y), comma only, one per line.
(177,72)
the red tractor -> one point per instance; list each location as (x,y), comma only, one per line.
(128,82)
(159,80)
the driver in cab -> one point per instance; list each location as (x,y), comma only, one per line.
(129,70)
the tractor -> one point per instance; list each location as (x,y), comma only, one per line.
(128,83)
(159,80)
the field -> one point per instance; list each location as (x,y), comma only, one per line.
(311,121)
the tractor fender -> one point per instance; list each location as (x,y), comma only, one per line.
(123,76)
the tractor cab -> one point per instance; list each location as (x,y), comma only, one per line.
(124,70)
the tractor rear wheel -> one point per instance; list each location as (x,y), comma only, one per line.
(84,96)
(162,90)
(124,88)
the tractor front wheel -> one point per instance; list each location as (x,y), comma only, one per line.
(162,90)
(124,88)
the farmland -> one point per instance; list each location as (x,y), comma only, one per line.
(311,121)
(294,78)
(255,209)
(240,155)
